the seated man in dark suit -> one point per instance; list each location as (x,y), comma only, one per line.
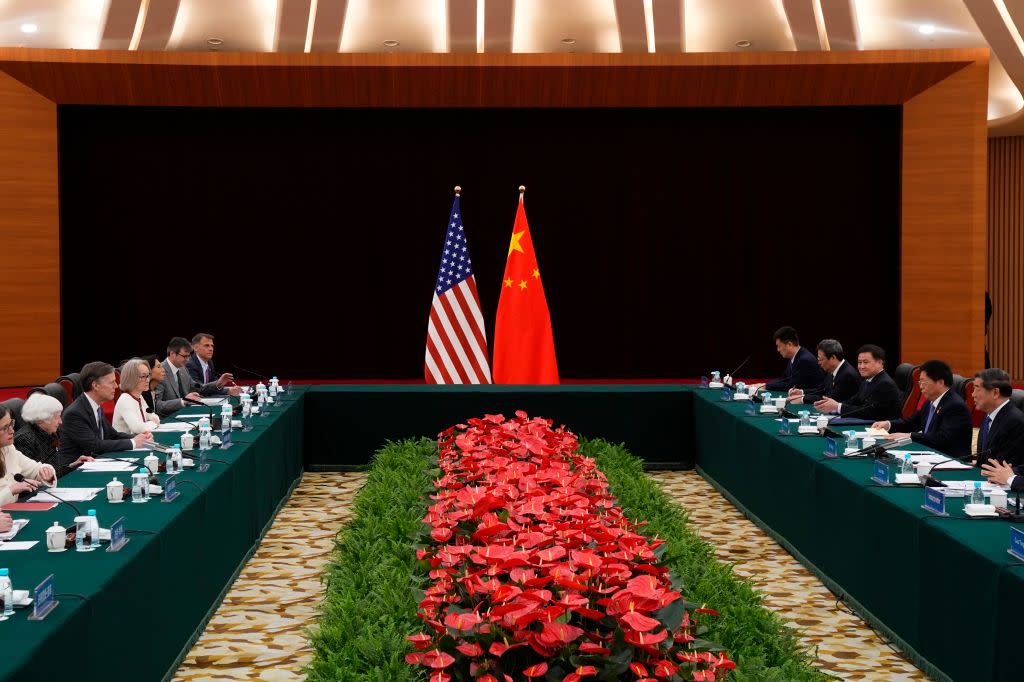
(878,396)
(178,384)
(841,380)
(802,371)
(942,422)
(1004,474)
(200,366)
(85,430)
(1001,437)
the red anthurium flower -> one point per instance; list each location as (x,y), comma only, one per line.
(551,554)
(414,659)
(665,668)
(596,649)
(462,621)
(555,634)
(645,586)
(441,534)
(711,611)
(440,677)
(580,673)
(505,592)
(471,649)
(638,621)
(724,663)
(437,659)
(638,669)
(587,559)
(499,648)
(536,670)
(420,641)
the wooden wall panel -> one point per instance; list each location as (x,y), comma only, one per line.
(1006,253)
(943,246)
(29,233)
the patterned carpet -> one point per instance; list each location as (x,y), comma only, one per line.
(258,632)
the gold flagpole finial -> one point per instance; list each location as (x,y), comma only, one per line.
(458,190)
(522,188)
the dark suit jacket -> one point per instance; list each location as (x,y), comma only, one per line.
(879,397)
(843,386)
(195,370)
(1018,480)
(1005,441)
(79,435)
(801,372)
(168,397)
(950,430)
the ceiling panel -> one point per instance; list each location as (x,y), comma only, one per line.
(60,24)
(542,25)
(417,25)
(889,25)
(717,25)
(242,25)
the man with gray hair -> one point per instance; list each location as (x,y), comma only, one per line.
(1001,437)
(841,380)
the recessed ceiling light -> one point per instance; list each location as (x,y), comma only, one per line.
(29,28)
(568,41)
(214,42)
(743,43)
(926,29)
(391,43)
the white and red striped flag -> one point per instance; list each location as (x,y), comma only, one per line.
(456,342)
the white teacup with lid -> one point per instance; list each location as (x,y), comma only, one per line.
(115,492)
(56,536)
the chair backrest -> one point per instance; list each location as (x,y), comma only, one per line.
(913,396)
(75,381)
(15,405)
(901,375)
(1017,398)
(966,391)
(57,391)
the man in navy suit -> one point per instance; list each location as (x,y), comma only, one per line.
(1004,474)
(1001,437)
(942,422)
(200,367)
(802,370)
(841,379)
(878,396)
(85,430)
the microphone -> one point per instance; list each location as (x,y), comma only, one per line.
(20,478)
(877,451)
(932,482)
(138,462)
(732,374)
(215,420)
(251,373)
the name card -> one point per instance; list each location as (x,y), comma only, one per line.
(117,535)
(831,447)
(727,394)
(43,599)
(225,436)
(703,382)
(935,502)
(881,473)
(784,429)
(171,488)
(1017,543)
(201,463)
(749,409)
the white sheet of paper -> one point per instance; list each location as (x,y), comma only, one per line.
(929,457)
(173,427)
(212,401)
(68,494)
(15,546)
(18,525)
(107,465)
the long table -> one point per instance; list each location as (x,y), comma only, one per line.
(944,588)
(133,614)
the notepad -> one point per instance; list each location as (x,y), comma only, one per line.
(28,506)
(107,466)
(66,495)
(16,546)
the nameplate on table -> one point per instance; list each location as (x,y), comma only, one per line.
(881,473)
(750,410)
(831,447)
(784,429)
(935,502)
(703,382)
(201,463)
(117,535)
(1016,543)
(726,394)
(171,488)
(43,601)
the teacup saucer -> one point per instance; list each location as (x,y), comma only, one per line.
(115,501)
(62,549)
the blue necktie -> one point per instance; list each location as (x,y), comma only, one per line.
(928,419)
(983,433)
(99,421)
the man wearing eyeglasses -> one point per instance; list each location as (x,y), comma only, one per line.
(178,384)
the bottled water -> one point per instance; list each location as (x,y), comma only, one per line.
(6,594)
(204,438)
(908,464)
(805,418)
(139,484)
(94,529)
(978,496)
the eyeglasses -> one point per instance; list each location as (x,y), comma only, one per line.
(9,427)
(182,355)
(144,376)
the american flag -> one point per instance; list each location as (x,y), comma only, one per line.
(456,344)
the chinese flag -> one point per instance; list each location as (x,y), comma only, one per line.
(524,348)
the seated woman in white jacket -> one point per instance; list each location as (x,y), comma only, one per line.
(130,412)
(13,462)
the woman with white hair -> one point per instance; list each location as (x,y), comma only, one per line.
(37,438)
(13,462)
(130,412)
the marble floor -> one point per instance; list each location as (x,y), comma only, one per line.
(258,633)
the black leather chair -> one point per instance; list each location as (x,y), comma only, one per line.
(1017,398)
(901,375)
(75,380)
(14,405)
(59,392)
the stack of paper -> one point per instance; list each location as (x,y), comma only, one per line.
(108,465)
(66,495)
(173,427)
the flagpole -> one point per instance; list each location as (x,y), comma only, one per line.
(522,190)
(458,190)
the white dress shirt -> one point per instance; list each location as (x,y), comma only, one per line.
(130,415)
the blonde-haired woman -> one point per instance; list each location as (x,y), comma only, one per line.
(130,412)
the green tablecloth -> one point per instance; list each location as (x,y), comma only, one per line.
(647,417)
(139,609)
(944,586)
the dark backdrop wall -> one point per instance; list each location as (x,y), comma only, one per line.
(671,242)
